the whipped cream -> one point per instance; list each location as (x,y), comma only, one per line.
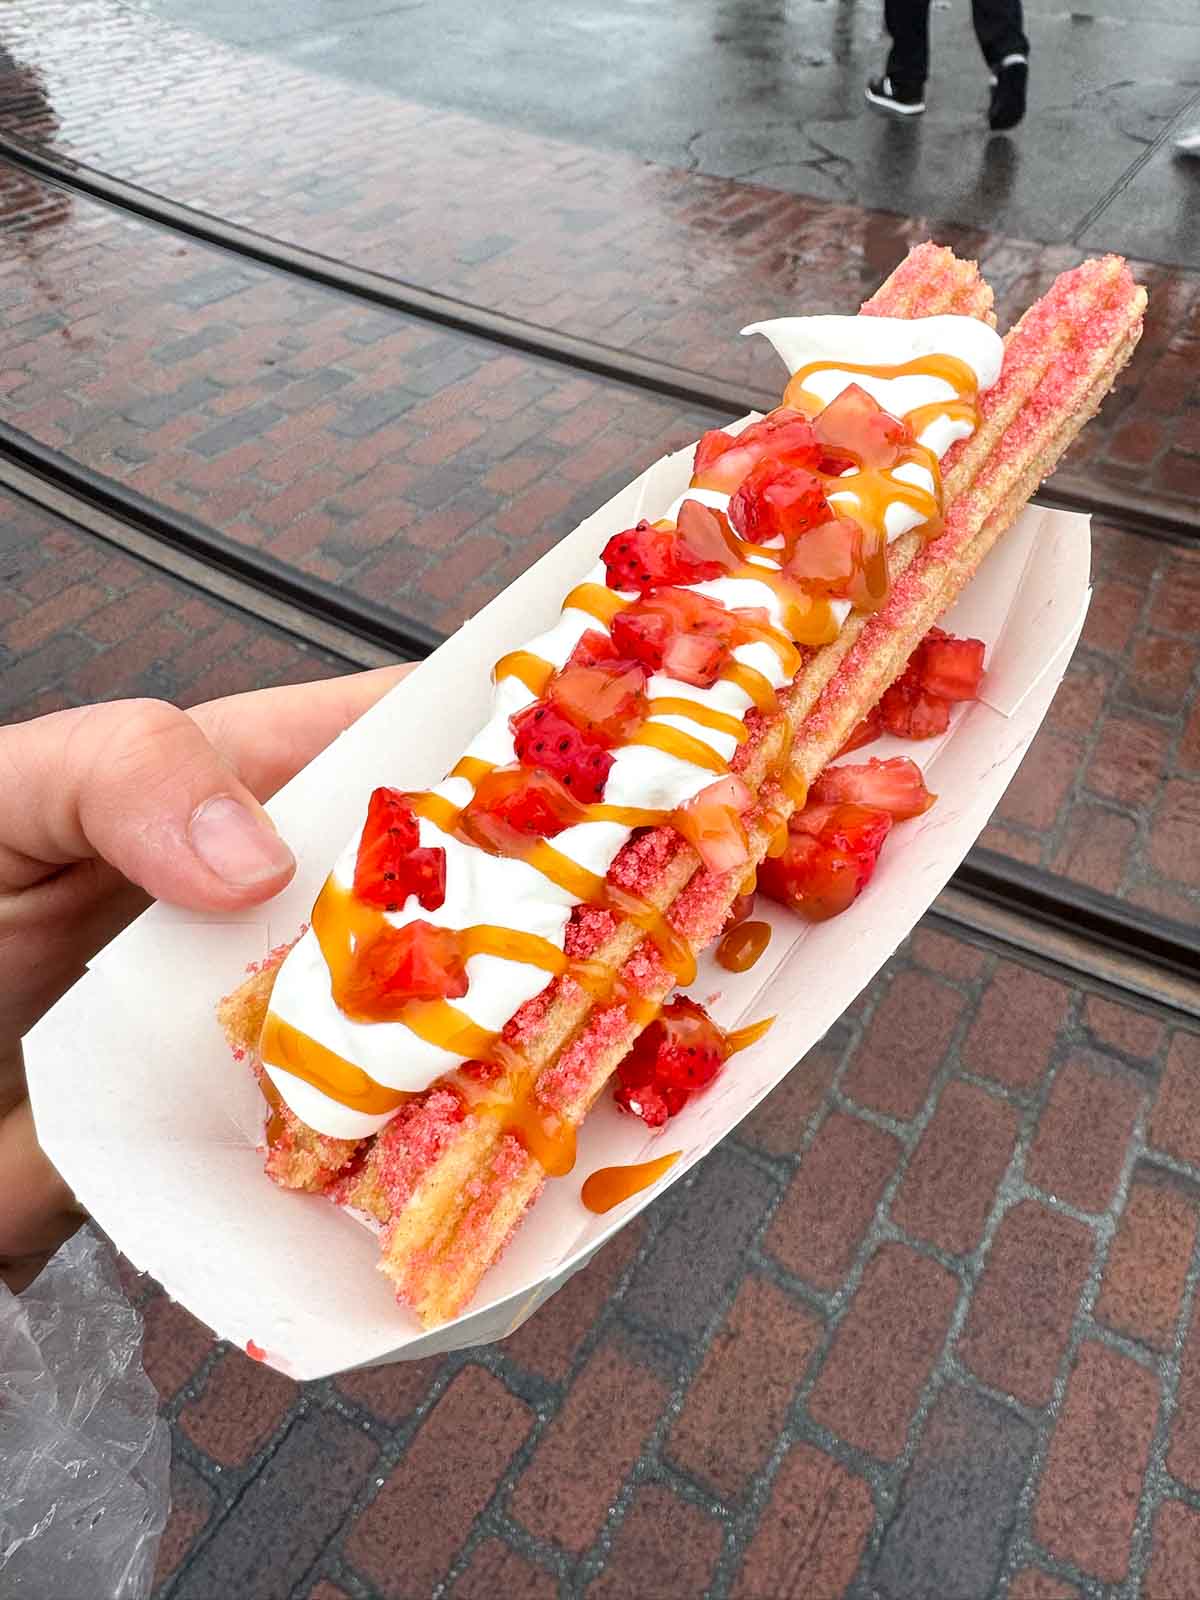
(481,888)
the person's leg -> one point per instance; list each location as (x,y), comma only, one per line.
(999,27)
(908,23)
(901,89)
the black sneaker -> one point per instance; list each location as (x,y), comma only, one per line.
(899,99)
(1008,93)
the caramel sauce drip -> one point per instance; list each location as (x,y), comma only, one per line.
(534,672)
(608,1186)
(706,716)
(286,1047)
(743,1038)
(755,684)
(741,947)
(957,374)
(473,769)
(597,600)
(683,746)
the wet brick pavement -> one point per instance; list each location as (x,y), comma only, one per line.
(973,1372)
(80,621)
(417,466)
(638,256)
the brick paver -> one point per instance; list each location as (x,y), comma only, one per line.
(196,383)
(430,469)
(931,1407)
(141,633)
(597,243)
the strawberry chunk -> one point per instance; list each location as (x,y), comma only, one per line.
(686,635)
(867,731)
(712,822)
(909,711)
(391,863)
(680,1052)
(828,860)
(647,557)
(416,962)
(840,560)
(776,501)
(592,648)
(855,431)
(950,667)
(785,436)
(545,738)
(514,801)
(896,786)
(606,702)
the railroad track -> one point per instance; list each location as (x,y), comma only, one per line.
(1091,939)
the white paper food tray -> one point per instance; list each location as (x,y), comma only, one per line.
(140,1106)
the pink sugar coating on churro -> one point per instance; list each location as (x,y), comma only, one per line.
(485,1193)
(562,1083)
(703,905)
(924,266)
(412,1142)
(588,927)
(640,863)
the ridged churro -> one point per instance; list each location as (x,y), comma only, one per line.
(464,1155)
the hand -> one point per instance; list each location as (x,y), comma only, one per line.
(101,809)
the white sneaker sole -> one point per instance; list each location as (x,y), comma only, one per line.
(894,108)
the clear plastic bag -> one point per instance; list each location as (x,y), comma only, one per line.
(84,1456)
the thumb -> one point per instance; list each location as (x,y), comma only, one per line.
(135,783)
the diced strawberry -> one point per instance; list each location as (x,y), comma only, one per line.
(545,738)
(867,731)
(828,860)
(515,800)
(606,702)
(391,863)
(645,1102)
(686,635)
(776,501)
(929,716)
(832,560)
(593,647)
(712,822)
(680,1052)
(952,668)
(894,786)
(416,962)
(722,460)
(648,557)
(908,711)
(855,431)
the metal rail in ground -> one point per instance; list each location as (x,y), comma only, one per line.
(1051,922)
(1134,511)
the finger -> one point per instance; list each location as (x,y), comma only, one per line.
(267,735)
(135,783)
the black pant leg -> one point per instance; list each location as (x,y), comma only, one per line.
(908,23)
(999,27)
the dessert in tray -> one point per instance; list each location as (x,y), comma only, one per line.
(487,954)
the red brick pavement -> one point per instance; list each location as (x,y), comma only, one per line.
(81,622)
(425,470)
(637,256)
(933,1407)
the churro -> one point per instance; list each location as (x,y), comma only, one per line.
(450,1162)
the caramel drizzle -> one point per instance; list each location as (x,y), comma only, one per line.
(345,927)
(608,1186)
